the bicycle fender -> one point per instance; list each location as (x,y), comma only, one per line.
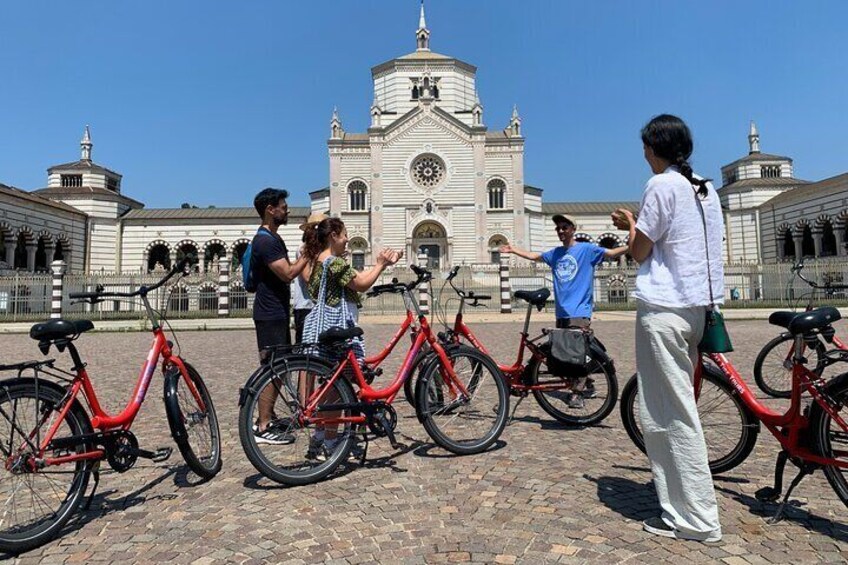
(250,385)
(426,373)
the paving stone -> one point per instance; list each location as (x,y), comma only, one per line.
(549,494)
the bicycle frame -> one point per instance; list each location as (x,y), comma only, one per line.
(514,372)
(101,420)
(367,394)
(793,420)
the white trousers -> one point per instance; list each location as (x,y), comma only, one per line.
(666,353)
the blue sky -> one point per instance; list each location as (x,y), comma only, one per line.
(209,101)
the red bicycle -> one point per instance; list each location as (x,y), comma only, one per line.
(598,388)
(773,366)
(814,437)
(48,440)
(460,398)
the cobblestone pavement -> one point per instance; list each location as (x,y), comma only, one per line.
(548,494)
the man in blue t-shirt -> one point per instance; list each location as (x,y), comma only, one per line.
(573,267)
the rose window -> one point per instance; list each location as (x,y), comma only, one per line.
(428,171)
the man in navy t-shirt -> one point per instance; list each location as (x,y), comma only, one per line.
(273,274)
(573,267)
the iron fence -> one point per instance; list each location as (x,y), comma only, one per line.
(27,296)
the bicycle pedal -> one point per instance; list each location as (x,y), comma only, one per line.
(767,494)
(162,454)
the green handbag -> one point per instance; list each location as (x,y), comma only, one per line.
(715,338)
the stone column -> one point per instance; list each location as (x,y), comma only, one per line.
(817,241)
(31,248)
(839,234)
(58,270)
(10,253)
(224,290)
(506,290)
(423,297)
(799,247)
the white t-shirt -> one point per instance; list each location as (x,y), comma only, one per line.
(675,273)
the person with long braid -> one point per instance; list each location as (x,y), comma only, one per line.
(673,294)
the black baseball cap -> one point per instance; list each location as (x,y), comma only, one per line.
(562,219)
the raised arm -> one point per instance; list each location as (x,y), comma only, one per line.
(366,279)
(288,271)
(529,255)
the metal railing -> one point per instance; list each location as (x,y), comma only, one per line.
(27,296)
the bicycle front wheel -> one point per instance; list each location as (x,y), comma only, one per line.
(597,393)
(730,431)
(299,451)
(773,366)
(35,503)
(193,421)
(459,422)
(829,437)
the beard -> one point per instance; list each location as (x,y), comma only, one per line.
(280,221)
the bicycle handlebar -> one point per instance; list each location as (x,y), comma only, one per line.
(143,290)
(422,275)
(799,266)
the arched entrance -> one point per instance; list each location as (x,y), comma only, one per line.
(430,239)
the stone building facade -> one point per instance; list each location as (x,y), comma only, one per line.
(427,176)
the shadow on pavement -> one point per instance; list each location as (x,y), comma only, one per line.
(426,450)
(635,501)
(792,513)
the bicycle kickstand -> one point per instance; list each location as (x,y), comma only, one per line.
(514,408)
(803,472)
(772,494)
(96,473)
(364,448)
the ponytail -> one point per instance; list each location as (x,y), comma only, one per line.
(670,139)
(319,239)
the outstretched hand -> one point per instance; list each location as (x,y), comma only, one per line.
(505,248)
(389,256)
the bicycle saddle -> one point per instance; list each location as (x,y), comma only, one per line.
(534,297)
(335,335)
(813,320)
(782,318)
(58,329)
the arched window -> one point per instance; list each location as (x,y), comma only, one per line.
(617,291)
(214,255)
(239,247)
(497,194)
(828,246)
(609,241)
(41,255)
(58,251)
(358,248)
(788,245)
(158,257)
(357,191)
(20,252)
(207,298)
(495,244)
(808,248)
(188,250)
(415,92)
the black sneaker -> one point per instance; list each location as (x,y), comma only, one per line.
(589,391)
(272,436)
(658,526)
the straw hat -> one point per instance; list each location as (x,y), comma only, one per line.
(313,220)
